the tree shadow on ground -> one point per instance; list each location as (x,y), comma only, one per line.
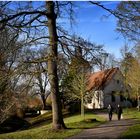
(84,124)
(14,123)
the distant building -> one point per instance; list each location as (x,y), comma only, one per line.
(107,87)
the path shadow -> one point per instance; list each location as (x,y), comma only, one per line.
(107,126)
(117,123)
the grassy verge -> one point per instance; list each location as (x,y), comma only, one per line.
(131,113)
(134,131)
(45,117)
(74,123)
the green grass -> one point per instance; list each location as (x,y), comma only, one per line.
(134,131)
(44,117)
(40,118)
(131,113)
(74,123)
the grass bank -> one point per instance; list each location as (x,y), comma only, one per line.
(75,124)
(134,131)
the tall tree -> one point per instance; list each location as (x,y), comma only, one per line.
(134,74)
(127,58)
(134,80)
(58,122)
(30,17)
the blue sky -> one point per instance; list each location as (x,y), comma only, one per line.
(90,23)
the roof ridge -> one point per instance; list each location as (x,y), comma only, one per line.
(101,78)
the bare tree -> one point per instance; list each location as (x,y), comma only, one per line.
(37,71)
(128,22)
(128,18)
(25,19)
(9,53)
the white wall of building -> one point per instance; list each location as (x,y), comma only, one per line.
(102,99)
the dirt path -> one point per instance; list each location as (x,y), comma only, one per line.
(110,130)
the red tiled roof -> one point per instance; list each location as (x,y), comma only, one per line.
(99,79)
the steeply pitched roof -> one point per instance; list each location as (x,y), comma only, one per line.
(99,79)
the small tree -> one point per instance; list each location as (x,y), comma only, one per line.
(79,88)
(76,80)
(75,89)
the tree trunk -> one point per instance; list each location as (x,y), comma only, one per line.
(43,100)
(82,107)
(138,99)
(58,122)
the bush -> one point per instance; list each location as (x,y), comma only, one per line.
(20,113)
(73,107)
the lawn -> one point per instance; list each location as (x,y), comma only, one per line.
(134,131)
(131,113)
(75,124)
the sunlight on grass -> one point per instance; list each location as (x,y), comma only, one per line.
(131,113)
(134,131)
(74,123)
